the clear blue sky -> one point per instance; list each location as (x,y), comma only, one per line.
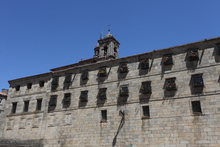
(37,35)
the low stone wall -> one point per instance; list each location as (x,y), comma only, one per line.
(19,143)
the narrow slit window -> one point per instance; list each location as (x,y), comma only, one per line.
(146,111)
(55,83)
(103,115)
(14,107)
(196,107)
(67,81)
(26,106)
(39,104)
(66,100)
(52,103)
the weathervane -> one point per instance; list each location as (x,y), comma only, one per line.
(109,29)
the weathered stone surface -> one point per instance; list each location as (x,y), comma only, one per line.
(171,124)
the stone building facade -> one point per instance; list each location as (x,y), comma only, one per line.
(3,98)
(164,98)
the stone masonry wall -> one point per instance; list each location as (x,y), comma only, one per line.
(171,123)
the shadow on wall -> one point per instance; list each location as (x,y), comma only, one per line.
(21,143)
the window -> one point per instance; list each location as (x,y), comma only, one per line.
(197,81)
(170,84)
(218,49)
(52,103)
(26,106)
(124,91)
(29,85)
(67,81)
(85,76)
(84,96)
(97,52)
(102,72)
(146,111)
(123,68)
(14,107)
(167,59)
(193,55)
(196,107)
(17,88)
(102,93)
(41,83)
(66,100)
(39,105)
(146,87)
(105,50)
(144,64)
(104,116)
(55,83)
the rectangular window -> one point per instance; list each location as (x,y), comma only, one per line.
(26,106)
(41,83)
(102,93)
(39,104)
(197,80)
(124,91)
(67,100)
(218,49)
(167,60)
(144,64)
(193,55)
(52,103)
(170,84)
(196,107)
(29,85)
(85,76)
(146,111)
(14,107)
(102,72)
(123,68)
(55,83)
(67,81)
(84,96)
(104,115)
(17,88)
(146,87)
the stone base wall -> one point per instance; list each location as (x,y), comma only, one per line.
(172,124)
(20,143)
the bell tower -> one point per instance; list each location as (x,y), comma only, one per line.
(107,47)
